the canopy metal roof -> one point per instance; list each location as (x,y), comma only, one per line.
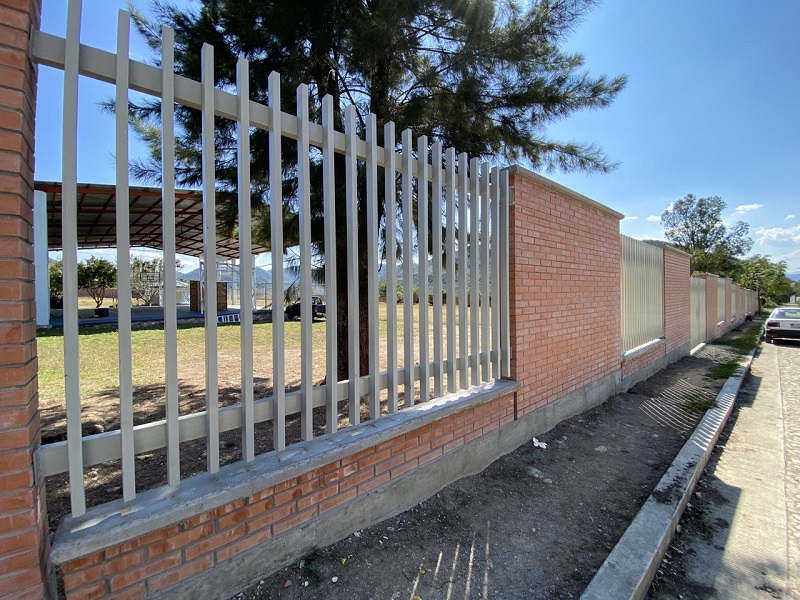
(97,206)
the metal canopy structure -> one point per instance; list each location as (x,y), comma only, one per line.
(97,219)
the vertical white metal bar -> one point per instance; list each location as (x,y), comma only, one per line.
(450,257)
(474,270)
(390,185)
(463,271)
(168,235)
(351,191)
(436,256)
(124,261)
(626,292)
(40,261)
(210,257)
(276,249)
(408,265)
(422,271)
(69,224)
(329,209)
(245,258)
(505,310)
(306,314)
(494,241)
(485,270)
(372,260)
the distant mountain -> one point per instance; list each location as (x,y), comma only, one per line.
(794,275)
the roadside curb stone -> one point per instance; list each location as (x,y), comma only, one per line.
(631,565)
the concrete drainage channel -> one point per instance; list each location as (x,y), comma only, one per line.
(629,569)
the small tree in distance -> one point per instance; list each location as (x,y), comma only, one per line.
(695,226)
(56,272)
(146,276)
(96,275)
(767,278)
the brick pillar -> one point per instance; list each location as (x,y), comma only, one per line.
(565,276)
(23,521)
(677,299)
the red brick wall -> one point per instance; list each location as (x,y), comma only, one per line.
(145,565)
(634,364)
(677,299)
(23,537)
(565,291)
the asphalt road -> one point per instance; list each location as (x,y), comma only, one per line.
(740,535)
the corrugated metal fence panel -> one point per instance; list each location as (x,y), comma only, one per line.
(698,307)
(721,299)
(642,293)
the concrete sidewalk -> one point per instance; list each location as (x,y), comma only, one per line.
(744,552)
(742,532)
(749,558)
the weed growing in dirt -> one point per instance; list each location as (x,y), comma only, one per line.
(311,567)
(724,371)
(743,343)
(698,404)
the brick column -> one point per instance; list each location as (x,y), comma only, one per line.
(23,521)
(677,299)
(565,276)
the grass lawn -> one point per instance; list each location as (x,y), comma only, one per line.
(99,369)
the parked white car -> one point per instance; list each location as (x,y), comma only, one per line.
(783,322)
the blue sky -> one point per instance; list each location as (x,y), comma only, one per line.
(710,109)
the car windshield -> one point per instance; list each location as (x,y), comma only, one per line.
(786,313)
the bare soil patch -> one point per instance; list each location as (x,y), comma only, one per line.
(536,524)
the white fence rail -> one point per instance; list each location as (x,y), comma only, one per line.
(470,220)
(698,314)
(642,293)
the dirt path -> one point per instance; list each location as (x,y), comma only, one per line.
(538,523)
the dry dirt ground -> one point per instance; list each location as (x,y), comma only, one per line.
(536,524)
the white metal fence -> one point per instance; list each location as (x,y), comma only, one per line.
(698,308)
(470,208)
(642,293)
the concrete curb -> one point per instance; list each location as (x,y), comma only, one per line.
(629,569)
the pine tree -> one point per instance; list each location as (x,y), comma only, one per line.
(485,77)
